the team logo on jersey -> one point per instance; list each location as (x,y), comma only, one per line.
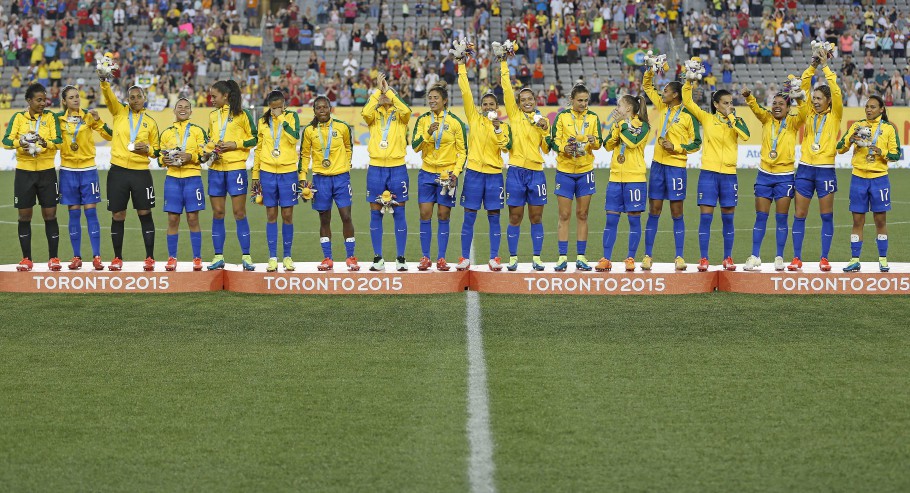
(334,133)
(445,126)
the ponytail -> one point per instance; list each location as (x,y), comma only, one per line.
(639,107)
(232,90)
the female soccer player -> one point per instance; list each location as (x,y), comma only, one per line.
(277,175)
(815,174)
(387,116)
(717,179)
(526,183)
(775,176)
(79,184)
(232,133)
(135,140)
(327,148)
(870,188)
(626,190)
(482,184)
(182,145)
(680,135)
(442,138)
(35,135)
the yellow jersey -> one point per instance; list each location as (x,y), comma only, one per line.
(569,124)
(628,139)
(287,131)
(888,141)
(47,126)
(529,142)
(76,128)
(381,120)
(56,69)
(341,148)
(446,148)
(484,143)
(144,126)
(240,129)
(784,134)
(823,128)
(721,136)
(189,137)
(683,129)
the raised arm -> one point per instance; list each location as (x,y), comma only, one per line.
(402,110)
(701,115)
(368,112)
(467,97)
(837,97)
(763,115)
(647,83)
(508,93)
(110,100)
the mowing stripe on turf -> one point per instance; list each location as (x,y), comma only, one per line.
(480,438)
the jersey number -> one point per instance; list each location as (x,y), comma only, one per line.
(885,193)
(404,186)
(542,190)
(199,194)
(502,194)
(635,195)
(240,179)
(96,188)
(829,185)
(676,183)
(590,177)
(150,193)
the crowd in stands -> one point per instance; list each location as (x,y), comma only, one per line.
(189,43)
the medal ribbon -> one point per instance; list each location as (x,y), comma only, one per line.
(134,132)
(223,124)
(327,147)
(783,125)
(387,127)
(663,131)
(277,139)
(441,128)
(818,129)
(186,135)
(78,126)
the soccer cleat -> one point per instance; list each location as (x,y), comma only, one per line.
(54,264)
(463,264)
(883,264)
(703,265)
(441,265)
(97,263)
(288,264)
(728,264)
(197,264)
(495,264)
(630,264)
(75,264)
(753,263)
(646,263)
(326,264)
(116,264)
(149,264)
(247,262)
(779,264)
(217,263)
(604,265)
(424,263)
(25,265)
(378,264)
(823,265)
(536,264)
(561,264)
(352,264)
(680,264)
(853,266)
(401,265)
(513,264)
(171,264)
(272,265)
(797,264)
(581,263)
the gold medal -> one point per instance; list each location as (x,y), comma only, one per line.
(661,140)
(621,159)
(816,147)
(276,153)
(772,154)
(326,163)
(74,146)
(870,157)
(383,144)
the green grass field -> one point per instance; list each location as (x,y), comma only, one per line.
(237,393)
(306,246)
(230,392)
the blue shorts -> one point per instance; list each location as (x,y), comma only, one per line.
(222,183)
(430,192)
(573,185)
(79,187)
(482,190)
(183,194)
(394,179)
(625,197)
(813,179)
(525,186)
(667,182)
(335,188)
(773,187)
(870,194)
(279,189)
(714,187)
